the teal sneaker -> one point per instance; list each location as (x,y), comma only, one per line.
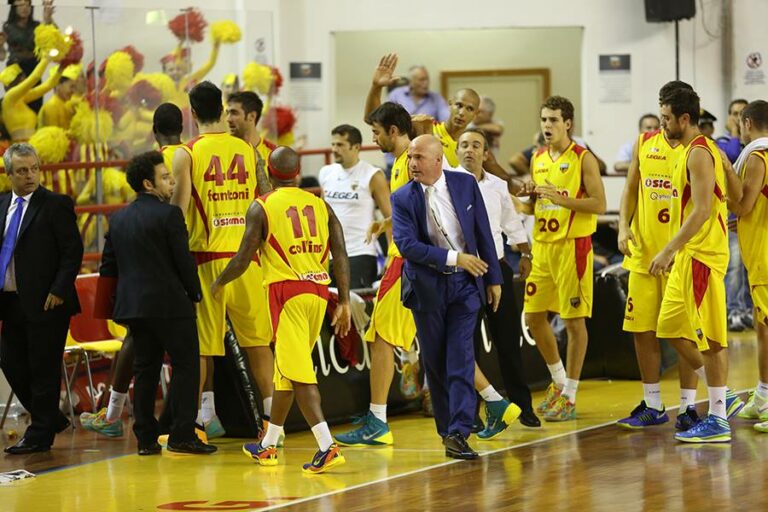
(98,423)
(733,404)
(214,428)
(373,432)
(499,415)
(711,429)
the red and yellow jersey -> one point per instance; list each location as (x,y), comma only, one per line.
(555,222)
(297,245)
(400,177)
(265,148)
(449,145)
(753,236)
(223,186)
(168,152)
(709,244)
(650,223)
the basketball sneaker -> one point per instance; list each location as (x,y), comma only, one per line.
(553,393)
(373,432)
(643,416)
(499,415)
(214,428)
(711,429)
(325,460)
(733,404)
(98,423)
(561,410)
(264,456)
(755,409)
(761,427)
(687,419)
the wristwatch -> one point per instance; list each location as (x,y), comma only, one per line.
(526,255)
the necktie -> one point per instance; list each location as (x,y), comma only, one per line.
(9,242)
(434,214)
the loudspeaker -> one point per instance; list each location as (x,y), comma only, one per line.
(658,11)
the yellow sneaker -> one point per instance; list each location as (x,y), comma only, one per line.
(553,393)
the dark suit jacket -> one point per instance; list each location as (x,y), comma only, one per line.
(147,250)
(425,262)
(48,254)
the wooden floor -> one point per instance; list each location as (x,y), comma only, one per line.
(584,465)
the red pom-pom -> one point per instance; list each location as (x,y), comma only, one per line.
(277,80)
(136,56)
(286,120)
(75,53)
(189,25)
(143,94)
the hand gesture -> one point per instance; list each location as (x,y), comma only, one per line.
(376,228)
(626,236)
(422,124)
(472,264)
(528,188)
(341,321)
(48,11)
(384,74)
(661,263)
(493,293)
(549,191)
(216,290)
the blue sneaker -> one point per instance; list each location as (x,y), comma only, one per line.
(265,456)
(687,419)
(711,429)
(214,428)
(498,416)
(373,432)
(643,416)
(733,404)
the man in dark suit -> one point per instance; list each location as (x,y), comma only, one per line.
(39,260)
(440,224)
(147,251)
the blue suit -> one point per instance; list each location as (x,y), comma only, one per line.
(445,302)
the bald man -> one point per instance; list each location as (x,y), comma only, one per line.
(296,272)
(441,226)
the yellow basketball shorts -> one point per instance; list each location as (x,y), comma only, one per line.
(244,301)
(297,310)
(561,278)
(392,321)
(760,300)
(643,301)
(693,307)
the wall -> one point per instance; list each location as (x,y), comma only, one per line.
(750,37)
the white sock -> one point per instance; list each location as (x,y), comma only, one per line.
(762,390)
(199,419)
(687,398)
(272,435)
(702,374)
(490,394)
(557,371)
(570,388)
(207,406)
(267,406)
(323,436)
(116,403)
(380,411)
(652,395)
(717,401)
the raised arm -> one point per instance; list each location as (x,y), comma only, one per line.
(342,315)
(383,75)
(182,174)
(40,90)
(17,93)
(262,180)
(256,226)
(754,177)
(629,203)
(198,75)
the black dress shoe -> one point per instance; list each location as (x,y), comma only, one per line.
(456,447)
(194,446)
(529,419)
(150,449)
(63,425)
(24,446)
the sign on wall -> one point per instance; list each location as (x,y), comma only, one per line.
(615,78)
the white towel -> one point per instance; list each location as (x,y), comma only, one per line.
(755,145)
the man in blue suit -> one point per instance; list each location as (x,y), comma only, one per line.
(440,224)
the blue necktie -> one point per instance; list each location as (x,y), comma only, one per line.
(9,242)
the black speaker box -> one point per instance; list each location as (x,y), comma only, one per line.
(658,11)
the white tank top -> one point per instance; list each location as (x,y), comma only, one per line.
(348,192)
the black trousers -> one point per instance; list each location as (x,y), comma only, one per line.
(505,332)
(151,339)
(30,356)
(362,271)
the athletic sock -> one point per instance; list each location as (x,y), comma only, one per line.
(717,401)
(323,436)
(702,374)
(652,395)
(116,403)
(379,410)
(207,406)
(687,398)
(272,436)
(267,406)
(199,419)
(569,390)
(490,394)
(557,371)
(762,390)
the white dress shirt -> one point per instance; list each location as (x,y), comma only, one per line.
(9,283)
(502,215)
(449,220)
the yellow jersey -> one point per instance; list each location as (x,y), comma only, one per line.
(400,177)
(650,223)
(753,236)
(555,222)
(223,186)
(297,246)
(55,112)
(449,145)
(710,243)
(168,152)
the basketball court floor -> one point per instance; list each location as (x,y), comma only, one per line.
(587,464)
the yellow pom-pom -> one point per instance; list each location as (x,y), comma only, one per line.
(83,125)
(257,77)
(50,43)
(9,74)
(73,71)
(159,81)
(51,144)
(225,32)
(119,72)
